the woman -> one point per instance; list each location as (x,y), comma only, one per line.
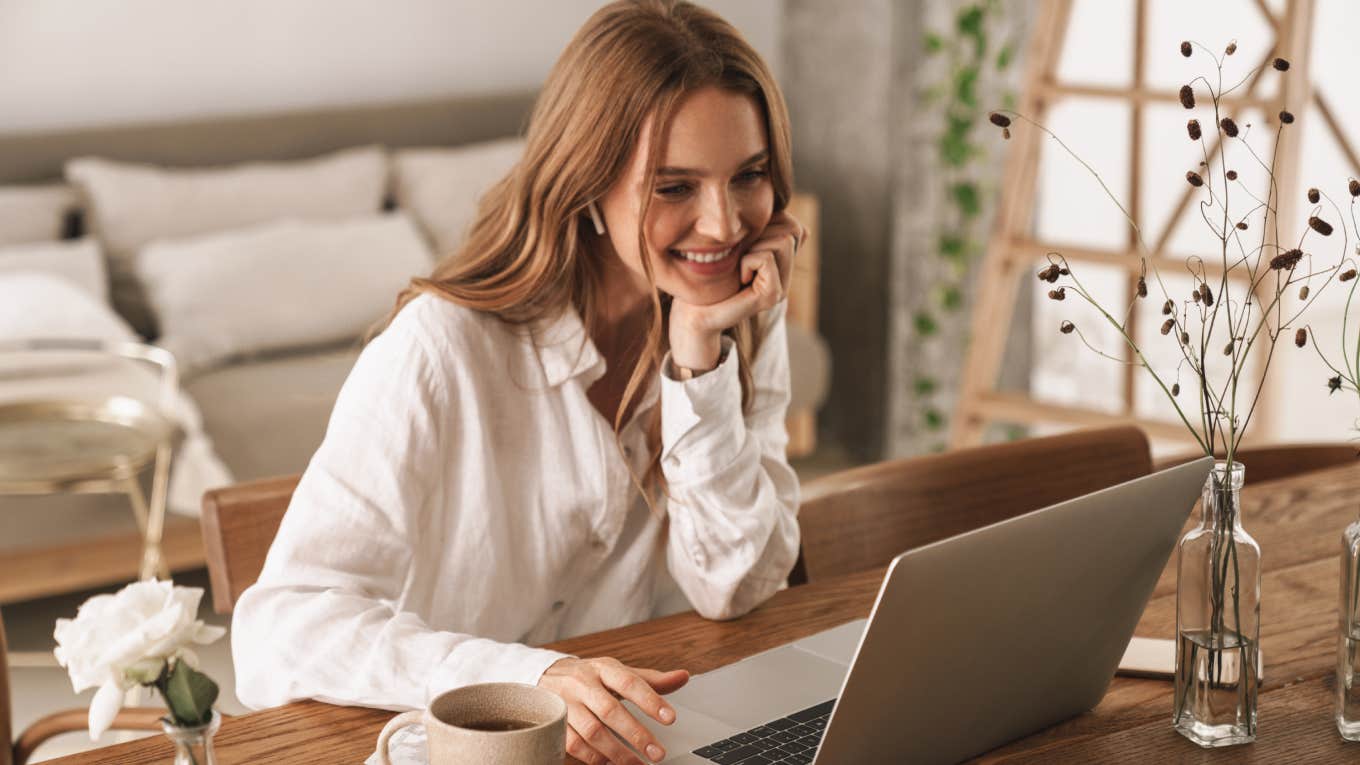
(576,422)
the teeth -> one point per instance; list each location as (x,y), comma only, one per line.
(704,257)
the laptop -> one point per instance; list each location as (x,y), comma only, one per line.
(973,641)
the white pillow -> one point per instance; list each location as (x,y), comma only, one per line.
(283,285)
(130,205)
(34,213)
(77,261)
(440,187)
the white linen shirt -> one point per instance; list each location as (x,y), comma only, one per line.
(469,501)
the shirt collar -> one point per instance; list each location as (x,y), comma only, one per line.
(565,350)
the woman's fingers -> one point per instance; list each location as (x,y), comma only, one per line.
(578,748)
(663,682)
(596,736)
(631,684)
(612,714)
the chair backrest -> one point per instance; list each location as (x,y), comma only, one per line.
(864,517)
(6,732)
(239,523)
(1268,463)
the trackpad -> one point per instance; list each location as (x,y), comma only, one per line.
(763,687)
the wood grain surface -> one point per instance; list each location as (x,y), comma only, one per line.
(1298,522)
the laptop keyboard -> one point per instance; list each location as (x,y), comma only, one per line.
(791,739)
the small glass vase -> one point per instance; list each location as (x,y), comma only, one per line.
(1218,625)
(193,743)
(1348,648)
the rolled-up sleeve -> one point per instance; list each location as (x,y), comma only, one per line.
(323,619)
(733,533)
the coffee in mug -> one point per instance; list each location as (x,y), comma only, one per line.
(489,724)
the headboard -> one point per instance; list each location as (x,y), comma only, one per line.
(38,156)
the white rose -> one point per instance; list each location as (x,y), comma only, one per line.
(119,641)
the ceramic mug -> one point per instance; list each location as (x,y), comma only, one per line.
(489,724)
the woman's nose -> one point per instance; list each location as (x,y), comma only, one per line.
(718,219)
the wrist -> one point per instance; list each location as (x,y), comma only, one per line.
(697,352)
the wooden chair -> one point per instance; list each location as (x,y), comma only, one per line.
(239,523)
(17,752)
(1268,463)
(862,518)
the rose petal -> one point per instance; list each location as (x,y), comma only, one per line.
(103,708)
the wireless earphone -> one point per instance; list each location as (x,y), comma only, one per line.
(595,218)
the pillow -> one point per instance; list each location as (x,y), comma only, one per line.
(440,187)
(34,213)
(283,285)
(129,205)
(77,261)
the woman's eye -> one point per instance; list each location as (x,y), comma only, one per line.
(673,191)
(751,176)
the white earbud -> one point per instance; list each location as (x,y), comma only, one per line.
(595,218)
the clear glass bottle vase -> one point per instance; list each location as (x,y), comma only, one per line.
(1218,610)
(1348,648)
(193,743)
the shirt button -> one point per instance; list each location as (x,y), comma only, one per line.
(597,543)
(557,606)
(628,452)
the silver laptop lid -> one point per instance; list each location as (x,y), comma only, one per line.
(991,635)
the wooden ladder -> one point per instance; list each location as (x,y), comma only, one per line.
(1013,253)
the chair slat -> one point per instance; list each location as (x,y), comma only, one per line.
(239,524)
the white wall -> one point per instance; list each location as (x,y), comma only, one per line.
(1073,208)
(80,62)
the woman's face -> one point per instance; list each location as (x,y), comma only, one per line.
(711,199)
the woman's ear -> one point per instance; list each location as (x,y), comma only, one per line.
(595,217)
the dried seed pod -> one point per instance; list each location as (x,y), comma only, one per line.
(1192,127)
(999,119)
(1355,188)
(1231,49)
(1347,276)
(1206,295)
(1048,274)
(1303,292)
(1066,327)
(1301,337)
(1175,389)
(1194,295)
(1058,294)
(1167,326)
(1185,48)
(1187,97)
(1286,116)
(1228,349)
(1185,338)
(1006,133)
(1064,271)
(1167,308)
(1232,175)
(1314,195)
(1242,225)
(1286,260)
(1142,287)
(1193,178)
(1280,64)
(1229,127)
(1319,225)
(1334,384)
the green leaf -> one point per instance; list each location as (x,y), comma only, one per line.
(965,195)
(952,246)
(934,43)
(934,419)
(1004,57)
(969,24)
(965,85)
(924,386)
(925,324)
(951,298)
(189,694)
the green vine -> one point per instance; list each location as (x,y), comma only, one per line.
(960,233)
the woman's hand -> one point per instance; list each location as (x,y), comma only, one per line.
(696,331)
(592,689)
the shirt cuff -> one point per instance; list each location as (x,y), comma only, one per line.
(702,429)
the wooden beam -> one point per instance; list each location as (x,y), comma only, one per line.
(1025,251)
(38,572)
(1141,96)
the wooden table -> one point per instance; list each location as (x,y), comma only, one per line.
(1297,521)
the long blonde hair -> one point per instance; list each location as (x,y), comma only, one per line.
(528,255)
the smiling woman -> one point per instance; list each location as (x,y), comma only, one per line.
(576,422)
